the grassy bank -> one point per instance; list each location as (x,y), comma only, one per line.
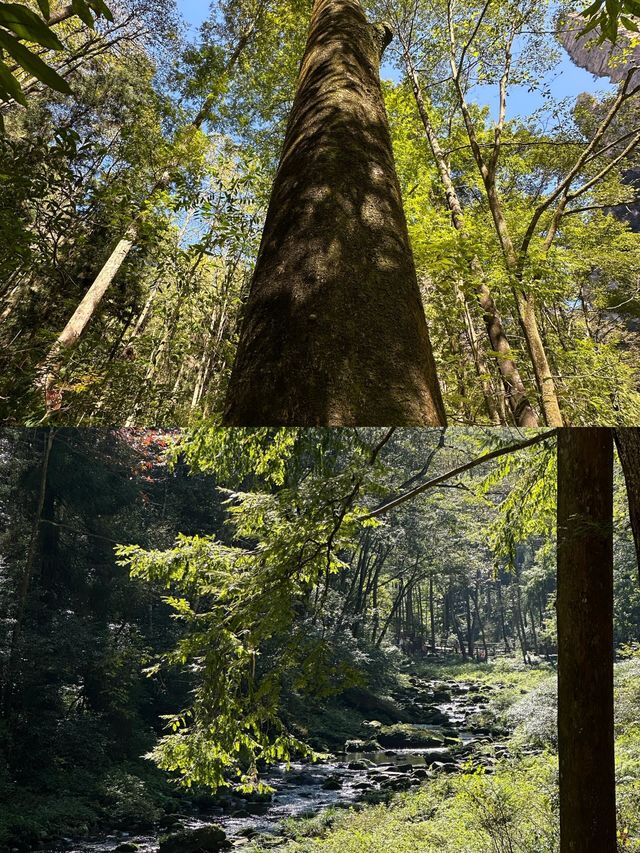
(511,806)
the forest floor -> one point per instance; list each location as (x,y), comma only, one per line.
(447,757)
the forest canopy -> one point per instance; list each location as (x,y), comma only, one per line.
(135,190)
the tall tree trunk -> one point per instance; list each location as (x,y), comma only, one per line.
(456,626)
(533,630)
(515,392)
(585,641)
(522,628)
(334,330)
(503,625)
(525,302)
(540,362)
(526,306)
(470,625)
(478,617)
(432,618)
(628,444)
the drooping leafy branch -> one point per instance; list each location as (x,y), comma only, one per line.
(236,597)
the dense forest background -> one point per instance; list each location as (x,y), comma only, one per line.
(147,186)
(142,571)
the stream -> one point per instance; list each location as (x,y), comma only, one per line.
(304,789)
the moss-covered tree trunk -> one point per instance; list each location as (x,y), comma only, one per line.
(334,329)
(585,641)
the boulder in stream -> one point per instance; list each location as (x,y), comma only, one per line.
(206,839)
(358,745)
(362,764)
(405,735)
(368,703)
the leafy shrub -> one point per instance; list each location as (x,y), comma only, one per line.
(128,800)
(535,716)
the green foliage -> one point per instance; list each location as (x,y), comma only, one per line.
(535,717)
(607,15)
(514,809)
(238,599)
(128,800)
(19,23)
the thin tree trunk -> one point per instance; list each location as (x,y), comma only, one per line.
(456,626)
(480,623)
(520,630)
(515,392)
(585,641)
(540,362)
(334,331)
(470,626)
(503,625)
(525,302)
(392,613)
(628,444)
(533,630)
(432,619)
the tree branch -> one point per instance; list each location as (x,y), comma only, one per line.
(487,457)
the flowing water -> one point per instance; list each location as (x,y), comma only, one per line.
(305,789)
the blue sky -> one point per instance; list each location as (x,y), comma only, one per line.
(567,81)
(193,11)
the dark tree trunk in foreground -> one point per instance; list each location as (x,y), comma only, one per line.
(628,444)
(585,641)
(334,329)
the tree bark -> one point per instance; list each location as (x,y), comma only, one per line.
(628,444)
(585,641)
(525,302)
(334,331)
(507,647)
(432,620)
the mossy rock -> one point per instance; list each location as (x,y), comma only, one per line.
(378,707)
(358,745)
(405,735)
(207,839)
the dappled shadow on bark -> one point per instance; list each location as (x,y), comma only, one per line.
(334,329)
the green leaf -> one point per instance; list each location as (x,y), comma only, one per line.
(44,8)
(28,26)
(32,64)
(101,8)
(629,24)
(591,10)
(81,9)
(9,86)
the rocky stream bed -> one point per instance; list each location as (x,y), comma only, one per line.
(428,728)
